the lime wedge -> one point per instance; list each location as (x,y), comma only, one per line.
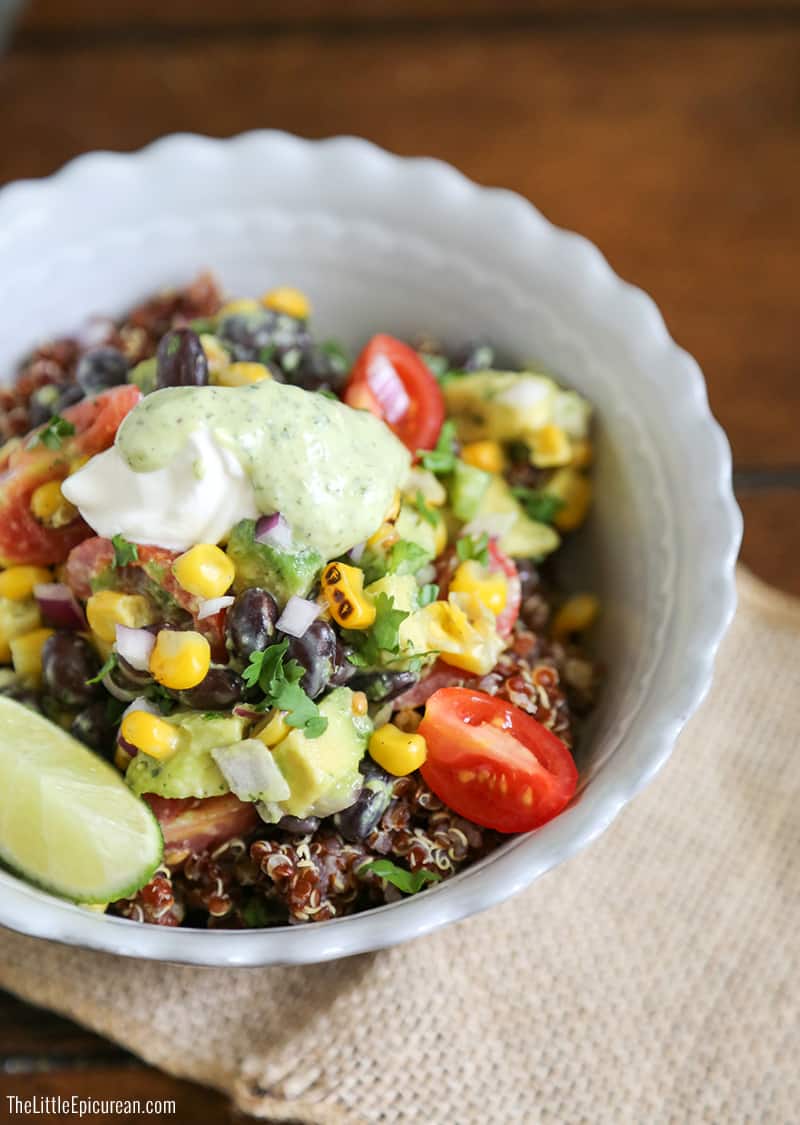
(68,822)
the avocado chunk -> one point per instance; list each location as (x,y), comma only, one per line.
(512,405)
(322,773)
(191,771)
(525,538)
(467,487)
(282,572)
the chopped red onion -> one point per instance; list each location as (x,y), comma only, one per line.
(135,646)
(141,704)
(59,605)
(249,713)
(213,605)
(274,530)
(387,386)
(357,553)
(297,616)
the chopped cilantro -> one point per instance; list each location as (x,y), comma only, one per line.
(409,882)
(382,636)
(438,365)
(474,547)
(539,505)
(407,557)
(109,666)
(162,698)
(266,354)
(428,593)
(54,432)
(442,459)
(338,357)
(280,683)
(256,914)
(326,392)
(424,509)
(207,716)
(203,326)
(125,552)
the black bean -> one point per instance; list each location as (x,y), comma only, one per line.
(100,369)
(43,404)
(181,361)
(298,826)
(68,397)
(95,727)
(250,623)
(68,661)
(22,695)
(357,821)
(380,686)
(219,691)
(316,651)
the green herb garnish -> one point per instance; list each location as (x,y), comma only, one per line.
(109,666)
(266,354)
(339,359)
(539,505)
(407,557)
(125,552)
(442,459)
(474,547)
(427,594)
(409,882)
(208,716)
(54,432)
(382,636)
(424,509)
(438,365)
(279,680)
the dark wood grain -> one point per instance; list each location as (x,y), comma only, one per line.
(677,152)
(27,1032)
(771,546)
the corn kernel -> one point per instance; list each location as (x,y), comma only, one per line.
(108,608)
(122,759)
(150,734)
(440,542)
(26,654)
(180,660)
(274,728)
(205,571)
(490,587)
(582,453)
(240,307)
(462,630)
(550,447)
(385,536)
(358,703)
(291,302)
(17,582)
(16,618)
(394,507)
(242,375)
(50,507)
(343,589)
(575,616)
(217,357)
(576,491)
(397,751)
(487,455)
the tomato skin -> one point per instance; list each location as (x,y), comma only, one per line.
(493,763)
(22,538)
(419,426)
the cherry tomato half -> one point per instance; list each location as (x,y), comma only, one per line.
(390,380)
(198,824)
(493,763)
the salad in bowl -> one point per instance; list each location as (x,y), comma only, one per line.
(280,634)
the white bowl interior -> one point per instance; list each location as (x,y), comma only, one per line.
(407,257)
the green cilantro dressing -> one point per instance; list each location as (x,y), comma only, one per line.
(331,471)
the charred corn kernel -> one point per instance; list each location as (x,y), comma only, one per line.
(287,300)
(205,571)
(394,509)
(122,759)
(358,703)
(462,630)
(150,734)
(26,655)
(240,307)
(582,453)
(242,375)
(384,536)
(16,618)
(17,582)
(440,542)
(108,608)
(550,447)
(50,507)
(576,492)
(487,455)
(216,356)
(274,728)
(491,588)
(397,751)
(575,615)
(180,660)
(343,588)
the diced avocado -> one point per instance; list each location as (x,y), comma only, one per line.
(323,772)
(143,375)
(282,572)
(401,588)
(191,771)
(467,487)
(503,405)
(525,538)
(411,527)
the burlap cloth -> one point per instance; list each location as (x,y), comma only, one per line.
(654,978)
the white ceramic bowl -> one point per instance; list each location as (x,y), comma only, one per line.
(410,246)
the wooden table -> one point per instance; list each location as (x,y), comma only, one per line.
(668,132)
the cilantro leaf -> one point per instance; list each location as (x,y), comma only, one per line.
(427,594)
(54,432)
(407,557)
(474,547)
(442,459)
(388,620)
(280,683)
(539,505)
(208,716)
(409,882)
(337,356)
(424,509)
(438,365)
(125,552)
(109,666)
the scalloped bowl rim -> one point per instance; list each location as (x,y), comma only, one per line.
(29,911)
